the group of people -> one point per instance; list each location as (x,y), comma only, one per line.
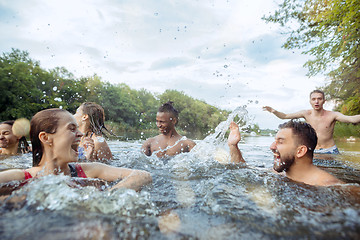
(59,140)
(294,147)
(56,141)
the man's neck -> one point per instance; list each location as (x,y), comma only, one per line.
(171,134)
(300,169)
(319,112)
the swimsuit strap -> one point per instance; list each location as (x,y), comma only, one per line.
(27,175)
(76,170)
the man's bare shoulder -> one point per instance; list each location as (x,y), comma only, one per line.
(188,142)
(152,140)
(334,114)
(149,141)
(307,112)
(326,179)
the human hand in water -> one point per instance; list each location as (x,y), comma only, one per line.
(88,144)
(234,136)
(269,109)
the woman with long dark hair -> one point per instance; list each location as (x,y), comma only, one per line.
(91,120)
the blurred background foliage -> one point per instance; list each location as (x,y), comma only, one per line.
(27,88)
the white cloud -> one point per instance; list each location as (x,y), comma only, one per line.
(219,51)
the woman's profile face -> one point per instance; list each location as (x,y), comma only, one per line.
(78,115)
(67,138)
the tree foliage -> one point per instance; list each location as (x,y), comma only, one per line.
(195,116)
(27,89)
(328,31)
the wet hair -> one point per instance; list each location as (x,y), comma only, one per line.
(43,121)
(169,108)
(304,132)
(23,146)
(96,117)
(318,91)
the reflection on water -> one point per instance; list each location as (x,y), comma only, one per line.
(192,196)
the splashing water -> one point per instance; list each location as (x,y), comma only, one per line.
(61,193)
(213,146)
(192,197)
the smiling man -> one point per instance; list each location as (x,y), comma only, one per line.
(10,144)
(323,121)
(293,151)
(169,142)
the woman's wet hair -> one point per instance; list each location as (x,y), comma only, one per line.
(23,146)
(169,108)
(96,117)
(43,121)
(304,132)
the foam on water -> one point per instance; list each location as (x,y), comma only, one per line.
(61,193)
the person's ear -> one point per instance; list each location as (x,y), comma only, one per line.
(301,151)
(84,117)
(45,138)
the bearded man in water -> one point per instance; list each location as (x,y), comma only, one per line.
(293,151)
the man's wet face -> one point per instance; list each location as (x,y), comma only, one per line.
(7,138)
(165,122)
(284,150)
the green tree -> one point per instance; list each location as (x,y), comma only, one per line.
(19,95)
(148,108)
(121,104)
(27,89)
(328,31)
(195,117)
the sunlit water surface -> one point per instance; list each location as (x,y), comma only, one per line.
(192,197)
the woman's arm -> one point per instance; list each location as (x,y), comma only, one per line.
(129,178)
(11,175)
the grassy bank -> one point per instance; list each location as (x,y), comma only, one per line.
(344,130)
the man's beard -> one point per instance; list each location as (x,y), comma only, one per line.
(284,164)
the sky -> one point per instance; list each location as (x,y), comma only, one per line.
(219,51)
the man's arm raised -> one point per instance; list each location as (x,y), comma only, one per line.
(347,119)
(233,140)
(281,115)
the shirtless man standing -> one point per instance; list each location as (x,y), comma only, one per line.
(169,142)
(323,121)
(293,151)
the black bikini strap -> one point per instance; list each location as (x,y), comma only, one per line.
(73,171)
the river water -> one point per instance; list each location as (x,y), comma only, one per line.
(192,196)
